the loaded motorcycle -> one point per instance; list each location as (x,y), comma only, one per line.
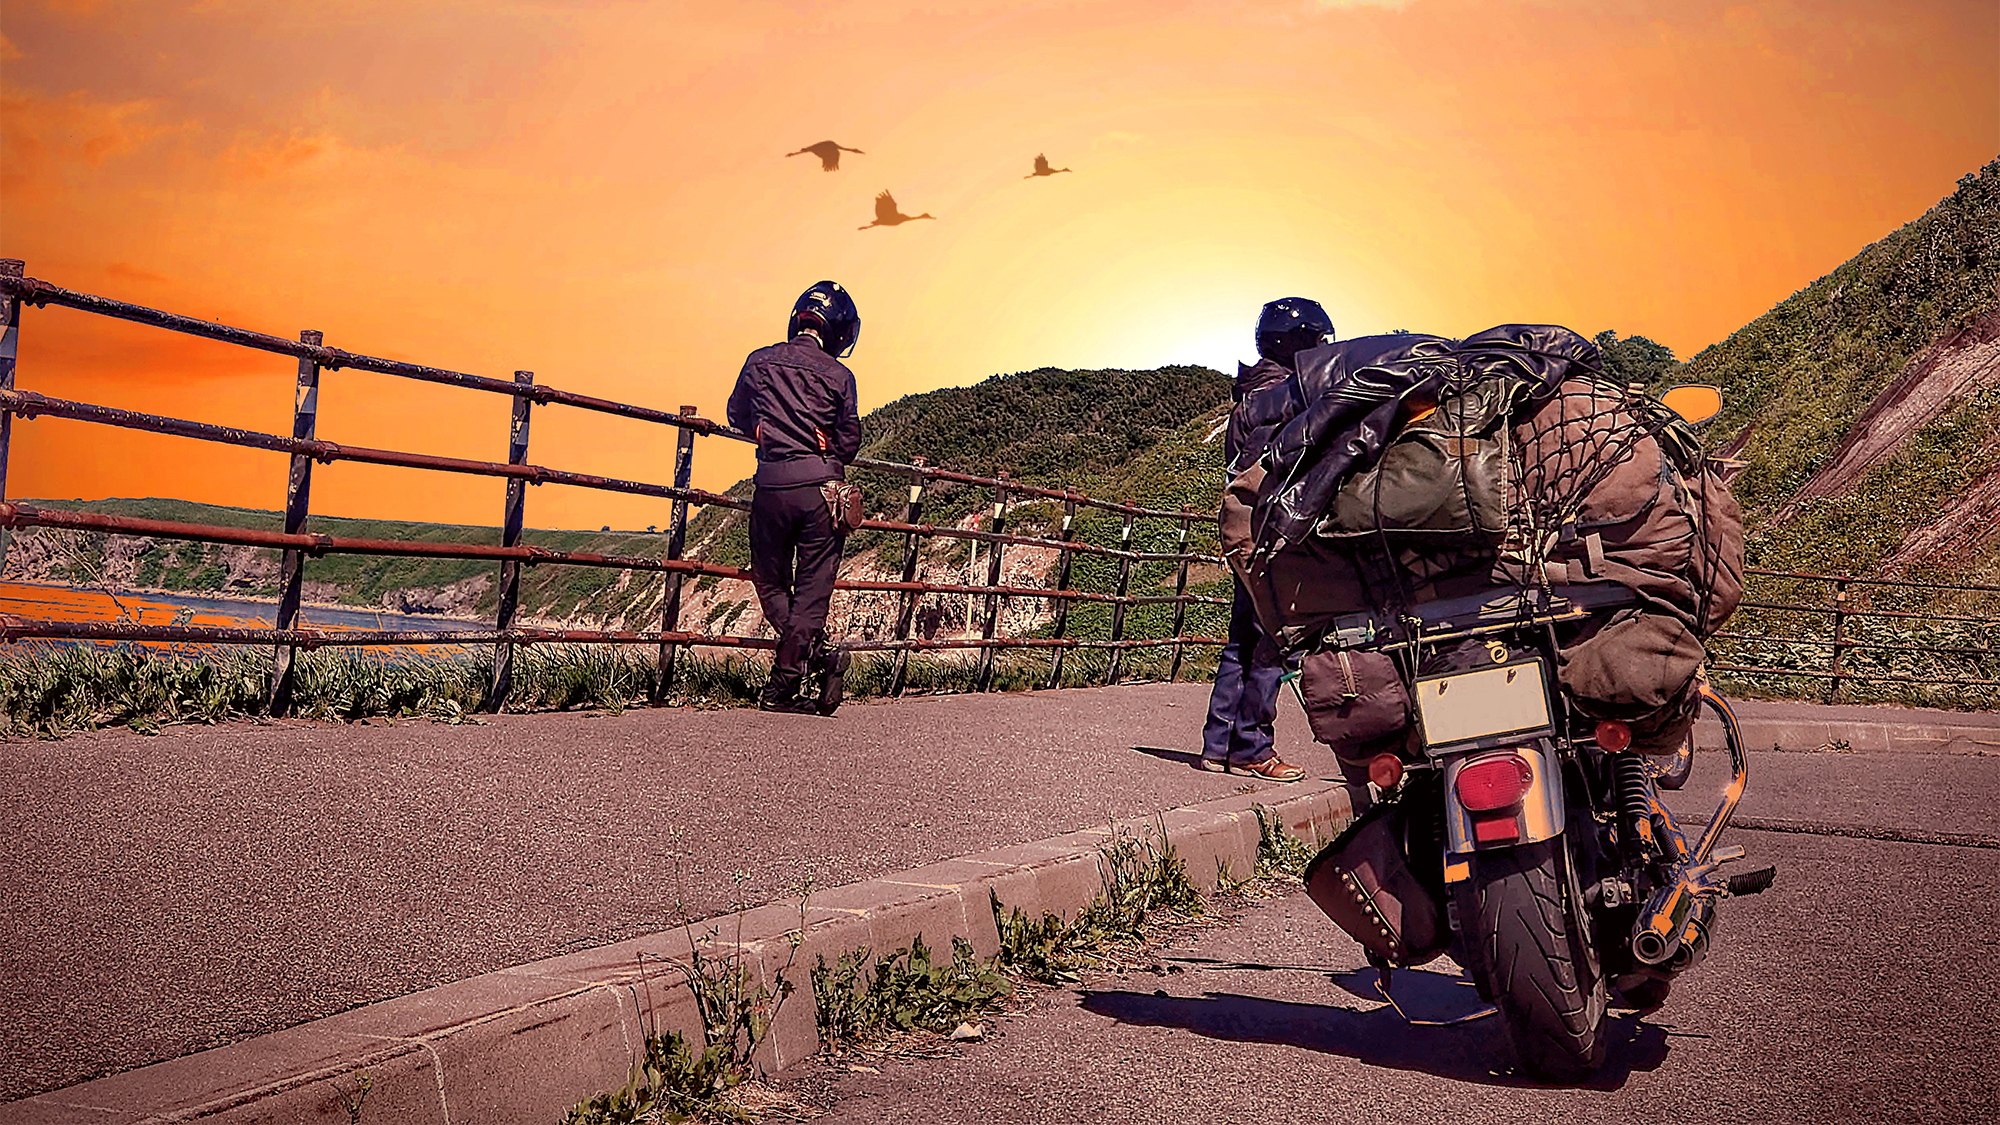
(1493,568)
(1529,841)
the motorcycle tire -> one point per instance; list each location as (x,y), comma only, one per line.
(1528,955)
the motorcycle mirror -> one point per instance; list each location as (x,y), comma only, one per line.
(1696,402)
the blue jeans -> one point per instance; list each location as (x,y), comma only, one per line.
(1245,699)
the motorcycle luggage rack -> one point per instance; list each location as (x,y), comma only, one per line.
(1473,615)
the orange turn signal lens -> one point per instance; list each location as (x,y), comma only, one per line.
(1614,736)
(1386,771)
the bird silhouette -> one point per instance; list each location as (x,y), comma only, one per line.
(886,214)
(828,153)
(1042,168)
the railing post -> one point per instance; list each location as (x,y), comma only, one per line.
(906,614)
(670,615)
(1839,637)
(10,348)
(1063,559)
(510,536)
(1117,668)
(1180,595)
(298,503)
(999,527)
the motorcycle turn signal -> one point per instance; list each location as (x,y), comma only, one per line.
(1386,771)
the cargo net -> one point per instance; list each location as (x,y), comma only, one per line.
(1595,453)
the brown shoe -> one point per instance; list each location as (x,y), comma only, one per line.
(1272,768)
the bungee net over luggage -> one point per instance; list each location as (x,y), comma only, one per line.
(1418,469)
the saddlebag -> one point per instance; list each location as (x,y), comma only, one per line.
(1363,882)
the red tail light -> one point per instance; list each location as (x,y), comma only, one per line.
(1614,736)
(1494,783)
(1386,771)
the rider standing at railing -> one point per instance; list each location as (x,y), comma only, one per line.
(1237,736)
(798,399)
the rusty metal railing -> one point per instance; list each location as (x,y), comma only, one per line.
(1856,656)
(305,448)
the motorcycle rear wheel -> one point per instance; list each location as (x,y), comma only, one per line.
(1529,954)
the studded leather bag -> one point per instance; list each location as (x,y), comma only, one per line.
(1364,883)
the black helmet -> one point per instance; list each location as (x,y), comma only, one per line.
(1290,325)
(829,312)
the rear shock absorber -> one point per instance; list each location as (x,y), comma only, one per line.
(1633,786)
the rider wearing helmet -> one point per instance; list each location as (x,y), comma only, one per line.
(1237,735)
(798,400)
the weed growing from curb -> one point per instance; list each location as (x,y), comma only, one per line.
(904,992)
(1280,855)
(1141,881)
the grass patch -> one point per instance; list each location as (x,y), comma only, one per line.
(903,992)
(1280,855)
(1142,882)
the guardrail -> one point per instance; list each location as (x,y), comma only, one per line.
(305,448)
(1836,637)
(1846,641)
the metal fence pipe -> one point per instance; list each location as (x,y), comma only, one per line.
(1905,582)
(298,504)
(1871,678)
(1180,595)
(984,679)
(1117,666)
(29,404)
(1064,557)
(670,612)
(510,536)
(906,609)
(20,628)
(10,350)
(1839,635)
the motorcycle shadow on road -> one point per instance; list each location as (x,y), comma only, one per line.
(1438,1037)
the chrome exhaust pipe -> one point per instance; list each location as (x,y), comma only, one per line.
(1662,923)
(1694,942)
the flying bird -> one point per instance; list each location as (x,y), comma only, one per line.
(886,214)
(828,153)
(1042,168)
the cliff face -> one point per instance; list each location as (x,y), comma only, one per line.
(1872,401)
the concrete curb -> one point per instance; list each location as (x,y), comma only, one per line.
(1876,737)
(528,1042)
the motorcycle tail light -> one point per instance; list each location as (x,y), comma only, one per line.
(1614,736)
(1496,828)
(1386,771)
(1494,783)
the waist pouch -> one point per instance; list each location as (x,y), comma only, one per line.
(1354,700)
(843,503)
(1364,883)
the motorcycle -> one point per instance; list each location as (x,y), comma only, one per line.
(1524,838)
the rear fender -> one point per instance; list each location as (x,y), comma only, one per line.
(1538,817)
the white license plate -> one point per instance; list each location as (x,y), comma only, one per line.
(1489,703)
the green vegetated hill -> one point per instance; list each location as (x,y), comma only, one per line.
(1911,307)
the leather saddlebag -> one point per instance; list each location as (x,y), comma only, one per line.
(1364,883)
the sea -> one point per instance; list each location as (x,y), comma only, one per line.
(53,602)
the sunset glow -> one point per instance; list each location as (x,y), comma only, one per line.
(598,192)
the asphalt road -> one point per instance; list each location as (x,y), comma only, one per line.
(160,896)
(1863,987)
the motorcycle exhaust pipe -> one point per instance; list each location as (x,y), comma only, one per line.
(1694,946)
(1657,935)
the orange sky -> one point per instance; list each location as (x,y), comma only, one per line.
(597,191)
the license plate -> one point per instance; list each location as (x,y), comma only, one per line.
(1491,703)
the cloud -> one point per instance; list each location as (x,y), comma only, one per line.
(8,52)
(1331,5)
(44,137)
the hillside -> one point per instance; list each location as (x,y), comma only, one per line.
(1872,393)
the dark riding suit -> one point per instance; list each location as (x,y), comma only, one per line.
(799,402)
(1245,698)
